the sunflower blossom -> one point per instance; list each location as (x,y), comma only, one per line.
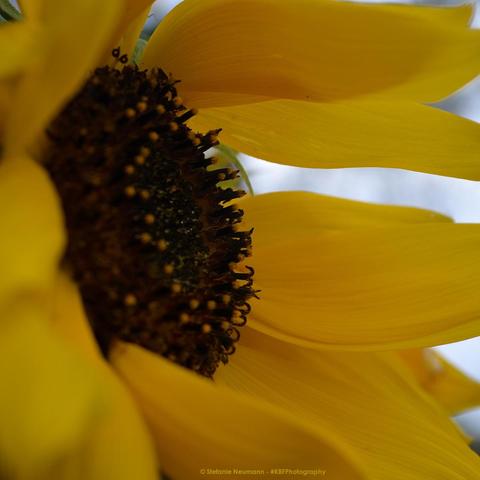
(128,272)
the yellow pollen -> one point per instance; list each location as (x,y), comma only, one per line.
(145,194)
(184,317)
(162,245)
(173,126)
(141,106)
(211,304)
(176,287)
(226,299)
(129,112)
(145,152)
(206,328)
(160,109)
(149,219)
(153,136)
(130,191)
(168,268)
(129,169)
(194,303)
(139,160)
(130,300)
(225,325)
(145,238)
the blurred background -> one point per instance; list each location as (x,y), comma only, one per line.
(460,199)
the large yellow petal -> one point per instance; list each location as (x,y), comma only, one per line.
(399,433)
(367,133)
(31,228)
(446,383)
(119,447)
(198,425)
(364,286)
(75,34)
(313,49)
(50,399)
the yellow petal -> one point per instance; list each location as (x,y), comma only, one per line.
(313,49)
(365,286)
(133,31)
(31,228)
(308,212)
(398,432)
(367,133)
(19,47)
(133,13)
(49,400)
(198,425)
(119,447)
(128,29)
(31,9)
(75,34)
(446,383)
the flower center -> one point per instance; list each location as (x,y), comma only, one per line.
(153,242)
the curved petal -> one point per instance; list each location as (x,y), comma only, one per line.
(31,228)
(120,446)
(72,49)
(50,399)
(446,383)
(313,49)
(133,31)
(399,433)
(364,286)
(271,214)
(128,29)
(366,133)
(219,429)
(461,15)
(134,13)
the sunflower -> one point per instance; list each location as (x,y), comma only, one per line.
(127,271)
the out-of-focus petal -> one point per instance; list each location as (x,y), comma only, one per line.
(198,425)
(119,447)
(31,228)
(75,36)
(366,398)
(50,399)
(446,383)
